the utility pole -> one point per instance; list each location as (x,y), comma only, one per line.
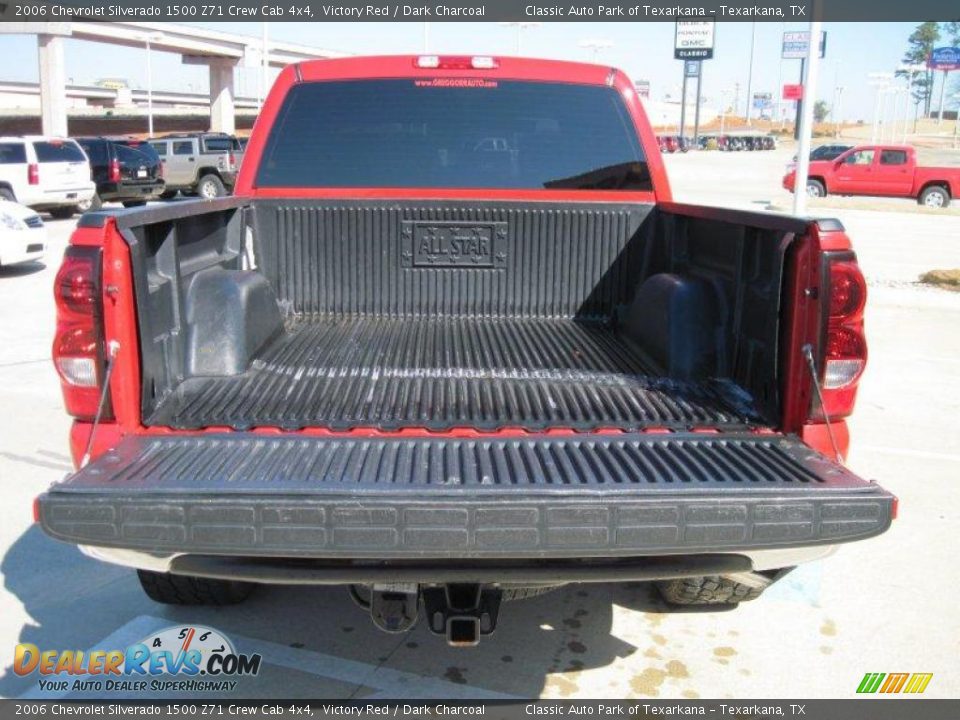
(838,114)
(800,103)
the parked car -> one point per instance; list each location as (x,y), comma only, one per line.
(448,372)
(823,152)
(45,173)
(23,236)
(880,170)
(125,170)
(203,164)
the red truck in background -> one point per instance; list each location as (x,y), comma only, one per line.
(883,171)
(452,343)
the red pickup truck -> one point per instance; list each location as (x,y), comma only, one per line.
(452,343)
(880,170)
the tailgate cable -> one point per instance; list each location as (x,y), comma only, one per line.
(113,348)
(812,367)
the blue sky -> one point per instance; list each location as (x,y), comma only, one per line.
(644,50)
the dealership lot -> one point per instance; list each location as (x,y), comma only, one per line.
(883,605)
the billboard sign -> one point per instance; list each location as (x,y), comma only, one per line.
(693,41)
(643,88)
(944,58)
(797,45)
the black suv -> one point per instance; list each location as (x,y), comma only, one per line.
(125,170)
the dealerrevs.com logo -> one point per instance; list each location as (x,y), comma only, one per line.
(176,659)
(892,683)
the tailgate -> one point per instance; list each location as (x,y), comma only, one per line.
(534,496)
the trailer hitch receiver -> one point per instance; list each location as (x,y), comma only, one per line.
(463,612)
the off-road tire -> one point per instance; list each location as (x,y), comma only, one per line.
(707,590)
(186,590)
(211,186)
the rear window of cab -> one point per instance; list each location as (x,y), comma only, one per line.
(413,133)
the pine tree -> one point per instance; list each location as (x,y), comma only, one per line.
(919,45)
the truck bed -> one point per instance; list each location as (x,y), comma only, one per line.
(484,373)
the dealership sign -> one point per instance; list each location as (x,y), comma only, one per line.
(693,41)
(793,92)
(944,58)
(797,45)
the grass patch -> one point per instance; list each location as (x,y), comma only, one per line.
(948,279)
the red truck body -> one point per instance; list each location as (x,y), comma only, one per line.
(586,330)
(883,171)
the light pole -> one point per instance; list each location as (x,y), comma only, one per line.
(838,107)
(264,67)
(878,81)
(520,26)
(912,71)
(753,41)
(147,39)
(596,45)
(810,71)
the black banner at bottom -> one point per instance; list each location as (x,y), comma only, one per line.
(854,709)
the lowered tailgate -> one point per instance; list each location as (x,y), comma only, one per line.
(598,495)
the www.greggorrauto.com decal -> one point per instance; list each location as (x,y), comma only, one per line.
(183,658)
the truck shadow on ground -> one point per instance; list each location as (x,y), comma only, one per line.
(541,644)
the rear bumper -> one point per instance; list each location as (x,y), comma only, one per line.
(131,191)
(415,499)
(60,197)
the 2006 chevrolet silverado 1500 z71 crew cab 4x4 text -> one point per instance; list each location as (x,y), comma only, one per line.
(452,342)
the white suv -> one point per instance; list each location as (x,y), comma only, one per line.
(45,173)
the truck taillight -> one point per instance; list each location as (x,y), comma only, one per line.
(78,347)
(114,171)
(845,347)
(33,174)
(233,161)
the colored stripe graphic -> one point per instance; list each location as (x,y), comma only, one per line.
(918,682)
(894,682)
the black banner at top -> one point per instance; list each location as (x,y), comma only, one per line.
(61,11)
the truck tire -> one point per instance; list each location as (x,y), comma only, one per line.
(63,212)
(816,188)
(211,186)
(7,194)
(186,590)
(712,590)
(935,196)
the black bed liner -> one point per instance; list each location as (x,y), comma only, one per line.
(440,374)
(528,496)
